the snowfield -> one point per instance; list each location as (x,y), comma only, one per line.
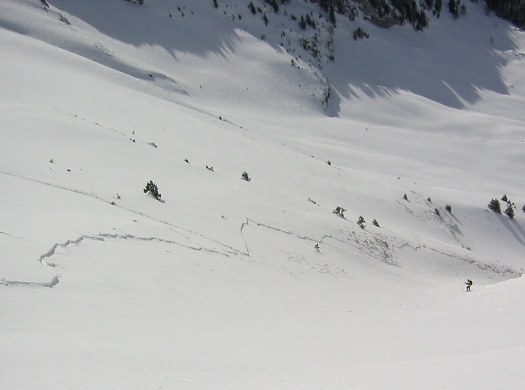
(219,284)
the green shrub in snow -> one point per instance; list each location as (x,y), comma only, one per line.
(245,176)
(152,189)
(361,222)
(495,206)
(339,211)
(509,211)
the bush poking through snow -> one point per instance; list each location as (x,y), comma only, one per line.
(361,222)
(495,206)
(273,4)
(448,208)
(405,197)
(314,202)
(245,176)
(360,34)
(375,223)
(339,211)
(152,189)
(509,211)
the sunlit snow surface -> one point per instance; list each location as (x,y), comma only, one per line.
(219,286)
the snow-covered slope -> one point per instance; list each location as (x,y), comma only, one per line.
(219,285)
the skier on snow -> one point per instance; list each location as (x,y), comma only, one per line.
(468,283)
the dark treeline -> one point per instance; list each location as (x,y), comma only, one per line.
(513,10)
(388,12)
(414,12)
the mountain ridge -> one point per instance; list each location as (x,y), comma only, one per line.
(322,54)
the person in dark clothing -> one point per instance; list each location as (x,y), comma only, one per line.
(468,283)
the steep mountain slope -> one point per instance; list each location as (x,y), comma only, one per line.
(219,285)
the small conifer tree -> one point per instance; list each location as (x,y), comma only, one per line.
(361,222)
(509,211)
(152,189)
(245,176)
(339,211)
(273,4)
(448,208)
(495,206)
(453,8)
(331,15)
(302,23)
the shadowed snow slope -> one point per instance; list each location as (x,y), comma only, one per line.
(219,285)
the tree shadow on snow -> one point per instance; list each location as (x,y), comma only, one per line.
(514,227)
(450,63)
(132,23)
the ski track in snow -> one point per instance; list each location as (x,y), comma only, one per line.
(91,195)
(372,247)
(102,237)
(378,248)
(500,270)
(130,137)
(16,283)
(113,204)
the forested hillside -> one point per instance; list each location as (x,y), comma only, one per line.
(513,10)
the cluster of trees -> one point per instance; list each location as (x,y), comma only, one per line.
(513,10)
(388,12)
(340,212)
(495,206)
(273,4)
(308,21)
